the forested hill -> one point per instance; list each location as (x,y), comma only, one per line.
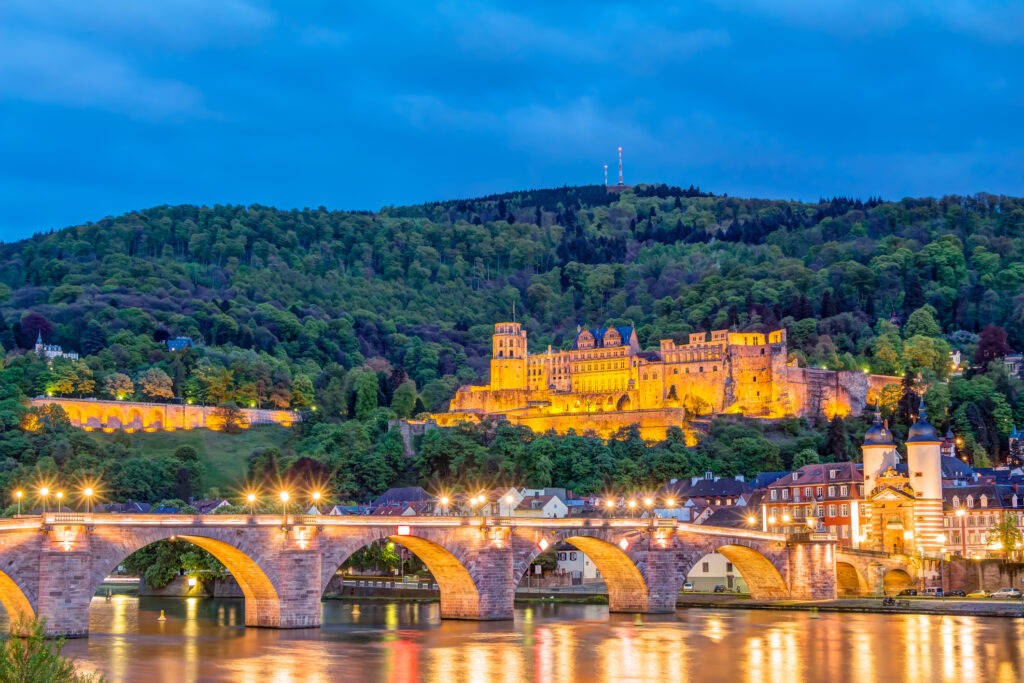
(416,289)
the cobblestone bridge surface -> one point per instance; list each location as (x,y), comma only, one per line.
(52,565)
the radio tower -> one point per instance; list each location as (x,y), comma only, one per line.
(606,175)
(620,167)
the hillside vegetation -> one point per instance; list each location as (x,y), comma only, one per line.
(371,315)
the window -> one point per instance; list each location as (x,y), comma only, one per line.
(705,567)
(796,475)
(844,490)
(970,501)
(831,491)
(728,567)
(775,494)
(832,474)
(785,494)
(818,491)
(572,556)
(561,556)
(956,501)
(984,501)
(831,510)
(844,510)
(807,491)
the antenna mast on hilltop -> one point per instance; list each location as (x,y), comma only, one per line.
(606,175)
(620,167)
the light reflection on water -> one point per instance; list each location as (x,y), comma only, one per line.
(205,640)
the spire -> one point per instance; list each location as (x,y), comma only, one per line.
(922,429)
(39,338)
(878,434)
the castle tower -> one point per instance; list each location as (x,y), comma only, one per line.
(39,344)
(508,357)
(879,455)
(924,470)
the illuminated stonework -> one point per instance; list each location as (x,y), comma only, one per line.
(131,416)
(605,382)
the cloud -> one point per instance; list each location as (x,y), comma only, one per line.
(49,69)
(180,24)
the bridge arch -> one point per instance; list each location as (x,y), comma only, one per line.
(850,582)
(896,580)
(14,600)
(262,601)
(443,556)
(762,576)
(628,589)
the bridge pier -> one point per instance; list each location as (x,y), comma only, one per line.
(812,570)
(663,580)
(65,592)
(297,604)
(491,571)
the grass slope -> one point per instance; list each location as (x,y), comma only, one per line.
(224,455)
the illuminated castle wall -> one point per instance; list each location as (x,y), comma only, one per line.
(131,416)
(605,381)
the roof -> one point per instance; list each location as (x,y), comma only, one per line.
(734,517)
(205,507)
(878,433)
(626,332)
(819,474)
(406,494)
(922,431)
(179,343)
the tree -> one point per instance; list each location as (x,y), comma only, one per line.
(302,391)
(992,346)
(1006,535)
(922,322)
(366,387)
(155,383)
(34,657)
(229,417)
(404,399)
(836,440)
(806,456)
(119,386)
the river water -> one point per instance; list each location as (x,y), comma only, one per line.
(204,640)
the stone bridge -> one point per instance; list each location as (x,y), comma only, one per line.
(869,572)
(52,565)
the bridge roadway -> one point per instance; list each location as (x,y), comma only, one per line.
(52,565)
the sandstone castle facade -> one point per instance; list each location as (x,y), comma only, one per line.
(605,381)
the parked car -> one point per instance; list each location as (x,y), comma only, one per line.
(933,592)
(956,593)
(977,594)
(687,587)
(719,588)
(907,591)
(1006,593)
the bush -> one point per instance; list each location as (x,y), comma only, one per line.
(36,659)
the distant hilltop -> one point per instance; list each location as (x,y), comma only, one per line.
(605,382)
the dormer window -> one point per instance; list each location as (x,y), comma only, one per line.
(844,490)
(956,501)
(796,476)
(984,501)
(832,474)
(970,501)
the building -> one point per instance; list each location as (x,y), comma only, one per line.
(180,344)
(822,497)
(715,570)
(605,382)
(574,563)
(51,351)
(546,506)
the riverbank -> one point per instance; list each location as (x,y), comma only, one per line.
(981,607)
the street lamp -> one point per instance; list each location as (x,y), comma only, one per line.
(962,514)
(60,497)
(509,500)
(444,500)
(251,499)
(44,493)
(284,506)
(18,494)
(632,506)
(609,505)
(88,498)
(316,501)
(751,520)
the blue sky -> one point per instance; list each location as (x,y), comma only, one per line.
(113,105)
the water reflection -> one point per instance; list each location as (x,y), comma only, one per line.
(205,640)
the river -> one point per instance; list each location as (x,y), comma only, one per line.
(204,640)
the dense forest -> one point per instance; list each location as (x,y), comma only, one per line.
(355,318)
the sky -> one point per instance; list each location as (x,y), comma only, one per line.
(108,106)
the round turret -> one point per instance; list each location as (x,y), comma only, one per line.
(878,434)
(922,431)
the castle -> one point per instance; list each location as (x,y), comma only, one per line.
(605,381)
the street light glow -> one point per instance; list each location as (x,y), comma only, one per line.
(609,503)
(284,496)
(251,497)
(444,501)
(671,502)
(45,491)
(648,502)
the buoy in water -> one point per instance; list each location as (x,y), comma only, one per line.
(161,617)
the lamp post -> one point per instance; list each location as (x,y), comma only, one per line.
(670,503)
(444,500)
(44,493)
(962,514)
(284,507)
(60,497)
(509,500)
(88,498)
(316,501)
(17,496)
(632,507)
(251,499)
